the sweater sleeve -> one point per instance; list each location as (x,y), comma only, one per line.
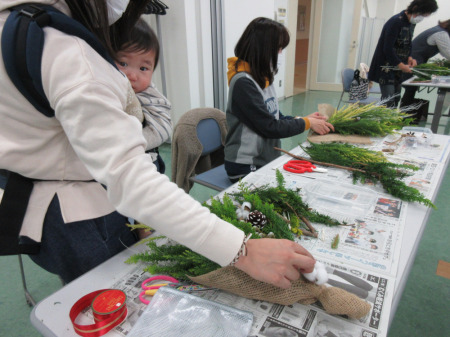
(157,121)
(249,107)
(442,41)
(110,144)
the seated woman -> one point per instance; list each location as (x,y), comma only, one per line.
(255,123)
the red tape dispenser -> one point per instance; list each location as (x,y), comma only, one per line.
(109,310)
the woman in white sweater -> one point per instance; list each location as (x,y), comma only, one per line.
(75,218)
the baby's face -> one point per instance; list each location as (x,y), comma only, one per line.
(138,67)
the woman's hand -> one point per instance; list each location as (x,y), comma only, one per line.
(320,125)
(275,261)
(404,67)
(317,115)
(412,62)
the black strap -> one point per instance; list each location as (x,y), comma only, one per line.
(12,211)
(356,76)
(22,44)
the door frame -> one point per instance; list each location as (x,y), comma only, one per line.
(314,46)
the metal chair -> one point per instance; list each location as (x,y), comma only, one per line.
(209,135)
(30,300)
(347,78)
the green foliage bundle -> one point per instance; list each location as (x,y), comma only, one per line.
(179,261)
(287,202)
(371,166)
(438,68)
(368,120)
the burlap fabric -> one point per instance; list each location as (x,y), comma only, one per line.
(334,300)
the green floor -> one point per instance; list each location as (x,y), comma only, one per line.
(423,310)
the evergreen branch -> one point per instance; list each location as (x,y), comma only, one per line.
(366,165)
(368,120)
(180,262)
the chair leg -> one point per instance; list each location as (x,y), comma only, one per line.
(30,301)
(340,100)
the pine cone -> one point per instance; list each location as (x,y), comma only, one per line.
(256,218)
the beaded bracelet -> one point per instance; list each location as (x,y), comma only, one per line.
(242,251)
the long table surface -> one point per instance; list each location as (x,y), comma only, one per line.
(442,102)
(51,315)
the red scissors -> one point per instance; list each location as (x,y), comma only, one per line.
(150,290)
(302,166)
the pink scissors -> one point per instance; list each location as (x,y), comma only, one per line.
(302,166)
(150,290)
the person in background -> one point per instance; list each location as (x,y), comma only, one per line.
(255,123)
(96,173)
(392,55)
(424,46)
(137,58)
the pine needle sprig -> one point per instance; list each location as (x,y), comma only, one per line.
(368,120)
(371,166)
(179,261)
(286,201)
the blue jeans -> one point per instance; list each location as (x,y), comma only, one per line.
(390,90)
(71,249)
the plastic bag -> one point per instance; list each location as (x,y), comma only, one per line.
(173,313)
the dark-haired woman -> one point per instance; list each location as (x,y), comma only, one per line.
(78,221)
(255,123)
(392,56)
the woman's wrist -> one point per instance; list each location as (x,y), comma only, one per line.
(242,251)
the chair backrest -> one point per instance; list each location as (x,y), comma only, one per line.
(209,135)
(347,78)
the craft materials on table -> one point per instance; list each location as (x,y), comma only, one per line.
(109,310)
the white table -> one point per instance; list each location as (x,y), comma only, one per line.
(442,102)
(51,315)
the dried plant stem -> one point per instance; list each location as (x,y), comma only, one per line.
(308,224)
(313,232)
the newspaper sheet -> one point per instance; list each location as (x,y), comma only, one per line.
(374,222)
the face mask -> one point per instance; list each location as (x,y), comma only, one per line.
(279,62)
(416,20)
(115,9)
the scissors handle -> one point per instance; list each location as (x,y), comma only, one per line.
(150,290)
(298,166)
(158,278)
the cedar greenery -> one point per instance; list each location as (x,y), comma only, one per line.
(438,68)
(368,120)
(369,165)
(284,209)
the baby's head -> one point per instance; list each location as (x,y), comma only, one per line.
(138,56)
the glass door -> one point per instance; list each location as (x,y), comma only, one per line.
(334,43)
